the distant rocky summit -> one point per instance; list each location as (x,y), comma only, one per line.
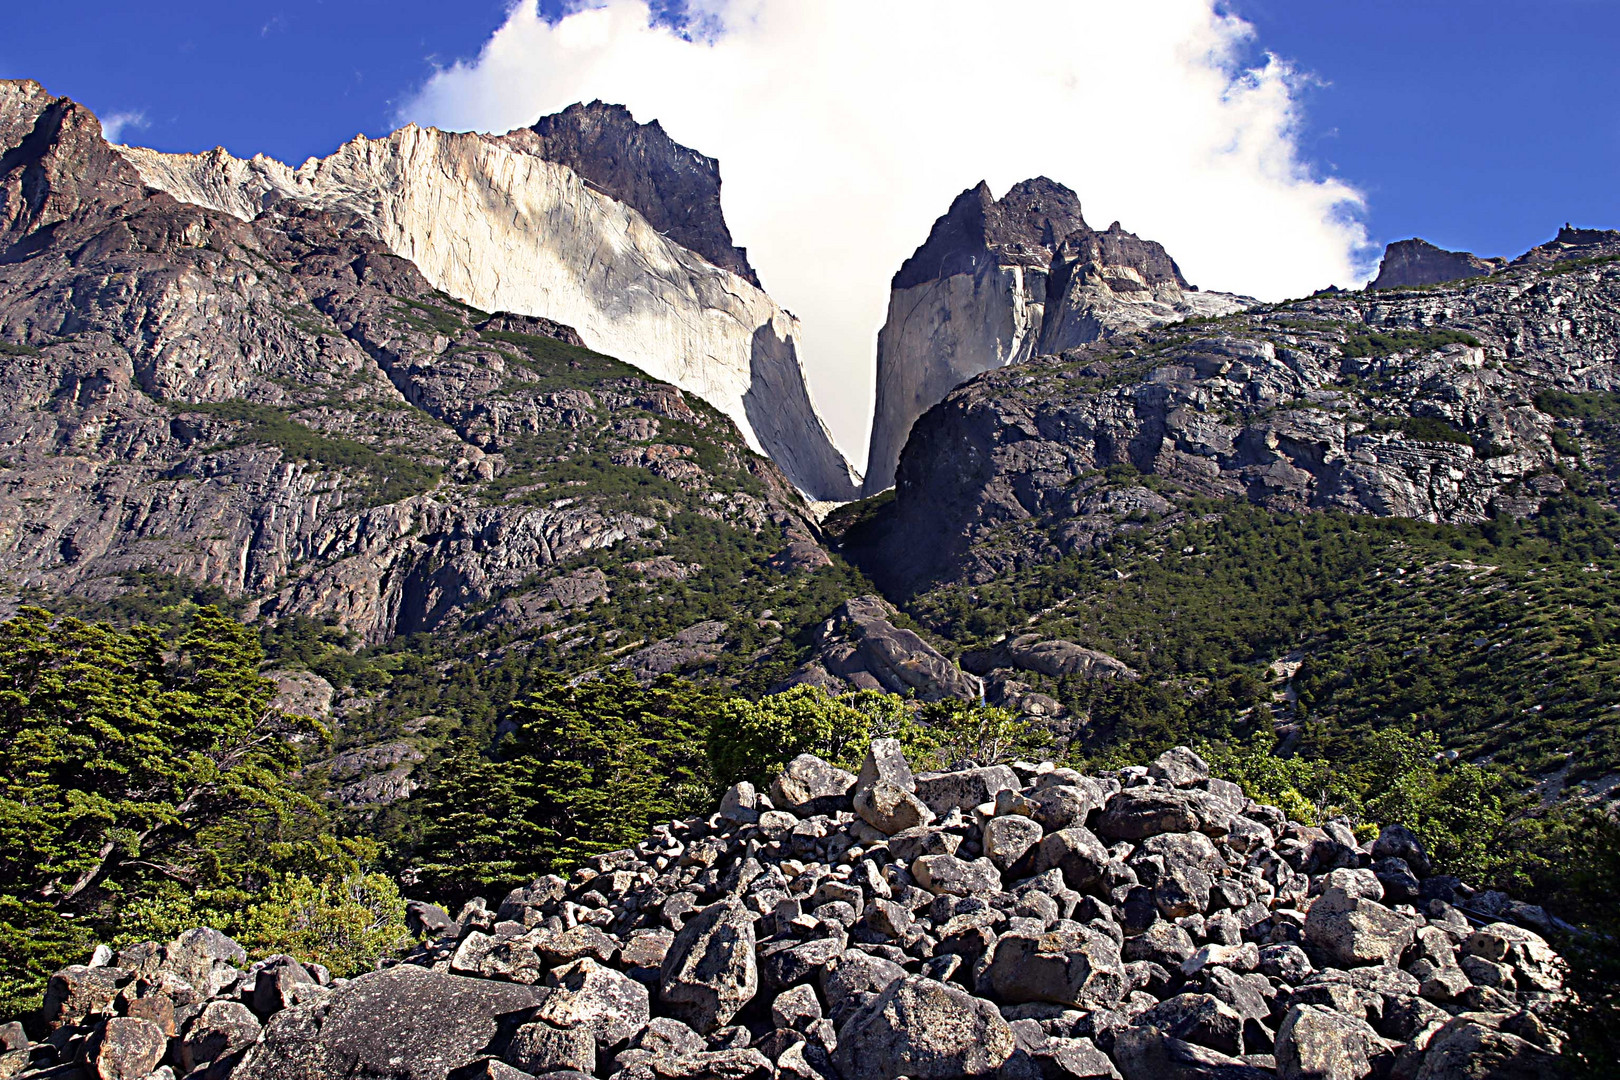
(999,281)
(1016,921)
(1417,262)
(675,188)
(1419,404)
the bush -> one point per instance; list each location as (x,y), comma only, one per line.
(344,923)
(754,740)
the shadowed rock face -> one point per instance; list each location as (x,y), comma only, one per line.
(676,189)
(1418,262)
(998,281)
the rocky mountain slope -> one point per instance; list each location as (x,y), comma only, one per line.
(1418,404)
(999,281)
(1015,921)
(588,219)
(288,413)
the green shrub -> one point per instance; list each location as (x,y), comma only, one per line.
(754,740)
(344,923)
(1376,345)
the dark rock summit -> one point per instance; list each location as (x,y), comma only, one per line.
(1018,921)
(1417,262)
(1023,227)
(675,188)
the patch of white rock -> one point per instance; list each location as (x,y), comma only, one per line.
(494,225)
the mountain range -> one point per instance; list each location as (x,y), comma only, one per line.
(446,417)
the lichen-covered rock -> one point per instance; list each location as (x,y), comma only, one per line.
(405,1022)
(1077,967)
(1353,930)
(126,1048)
(923,1029)
(710,972)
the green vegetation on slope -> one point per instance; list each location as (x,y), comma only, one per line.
(391,477)
(146,787)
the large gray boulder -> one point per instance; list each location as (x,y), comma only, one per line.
(1078,854)
(1146,1053)
(1316,1043)
(1536,965)
(710,973)
(1466,1049)
(965,788)
(890,809)
(810,785)
(126,1048)
(1140,812)
(607,1003)
(1076,967)
(403,1023)
(1351,930)
(925,1030)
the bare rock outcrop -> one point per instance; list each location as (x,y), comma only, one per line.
(1417,262)
(587,219)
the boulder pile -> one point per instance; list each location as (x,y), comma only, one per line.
(1020,921)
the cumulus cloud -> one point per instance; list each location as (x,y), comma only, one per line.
(845,127)
(113,125)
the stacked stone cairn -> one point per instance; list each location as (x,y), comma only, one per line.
(1019,921)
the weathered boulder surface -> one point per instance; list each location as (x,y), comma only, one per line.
(406,1022)
(786,938)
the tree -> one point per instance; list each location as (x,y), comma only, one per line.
(754,740)
(133,770)
(589,768)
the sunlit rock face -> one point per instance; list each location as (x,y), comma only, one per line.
(622,239)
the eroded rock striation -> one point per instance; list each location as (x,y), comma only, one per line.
(1021,921)
(999,281)
(587,218)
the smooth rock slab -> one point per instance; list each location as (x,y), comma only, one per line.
(404,1023)
(925,1030)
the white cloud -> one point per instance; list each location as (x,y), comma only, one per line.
(845,127)
(113,125)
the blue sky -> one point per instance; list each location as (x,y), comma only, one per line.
(1481,124)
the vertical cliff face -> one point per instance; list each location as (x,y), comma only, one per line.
(493,222)
(998,281)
